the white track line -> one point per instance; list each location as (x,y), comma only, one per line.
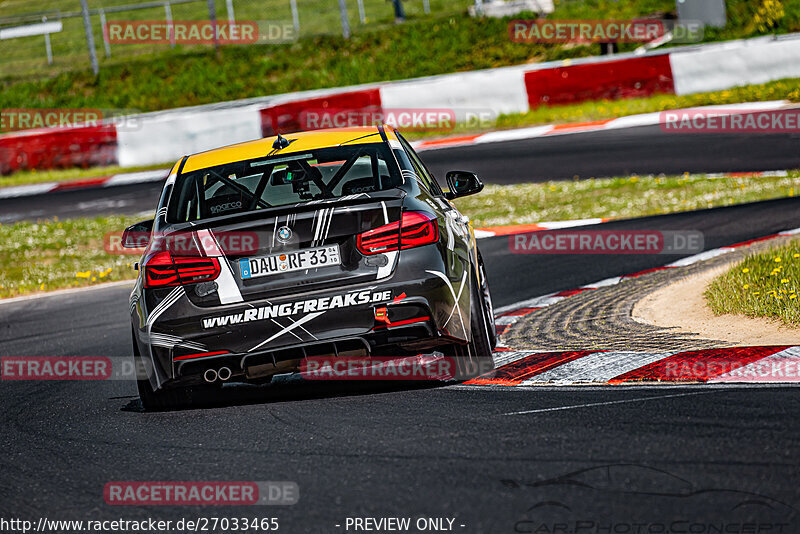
(608,403)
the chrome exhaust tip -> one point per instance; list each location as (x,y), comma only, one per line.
(210,375)
(224,373)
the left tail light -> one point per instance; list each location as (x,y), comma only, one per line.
(166,270)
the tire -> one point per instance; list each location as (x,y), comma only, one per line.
(487,303)
(475,358)
(157,401)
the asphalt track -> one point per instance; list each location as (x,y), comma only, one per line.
(642,150)
(668,458)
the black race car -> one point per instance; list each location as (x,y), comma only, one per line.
(334,243)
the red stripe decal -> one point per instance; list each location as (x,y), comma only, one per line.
(77,184)
(449,141)
(570,292)
(200,355)
(647,271)
(751,241)
(698,365)
(514,229)
(518,312)
(580,126)
(404,322)
(516,372)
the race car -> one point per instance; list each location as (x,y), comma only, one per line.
(332,243)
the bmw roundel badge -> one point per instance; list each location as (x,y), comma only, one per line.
(284,234)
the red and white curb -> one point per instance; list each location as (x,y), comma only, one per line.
(631,121)
(512,229)
(508,315)
(608,367)
(89,183)
(724,365)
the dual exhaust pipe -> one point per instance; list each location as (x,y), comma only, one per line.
(212,375)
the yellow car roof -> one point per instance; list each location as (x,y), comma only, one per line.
(301,141)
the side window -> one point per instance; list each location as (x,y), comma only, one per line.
(422,171)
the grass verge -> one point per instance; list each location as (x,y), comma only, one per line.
(423,46)
(761,285)
(54,254)
(633,196)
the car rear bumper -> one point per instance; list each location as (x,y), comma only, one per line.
(257,339)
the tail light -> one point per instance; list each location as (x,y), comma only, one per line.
(165,270)
(414,229)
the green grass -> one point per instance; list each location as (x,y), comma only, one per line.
(54,254)
(618,197)
(148,79)
(762,285)
(48,255)
(178,78)
(26,56)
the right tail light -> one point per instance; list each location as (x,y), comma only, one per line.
(414,229)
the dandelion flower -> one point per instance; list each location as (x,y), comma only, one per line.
(745,270)
(777,260)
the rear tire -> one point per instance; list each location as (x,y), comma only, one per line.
(488,307)
(152,400)
(475,358)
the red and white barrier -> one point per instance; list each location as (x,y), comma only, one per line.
(82,146)
(626,78)
(166,136)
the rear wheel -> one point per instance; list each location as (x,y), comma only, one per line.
(488,308)
(475,358)
(152,400)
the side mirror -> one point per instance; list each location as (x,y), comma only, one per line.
(138,235)
(462,183)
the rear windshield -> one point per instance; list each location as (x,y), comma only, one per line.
(282,180)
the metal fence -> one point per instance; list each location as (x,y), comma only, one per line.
(68,34)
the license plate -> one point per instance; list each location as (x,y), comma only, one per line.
(286,262)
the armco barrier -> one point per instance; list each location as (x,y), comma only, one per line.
(85,146)
(627,78)
(166,136)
